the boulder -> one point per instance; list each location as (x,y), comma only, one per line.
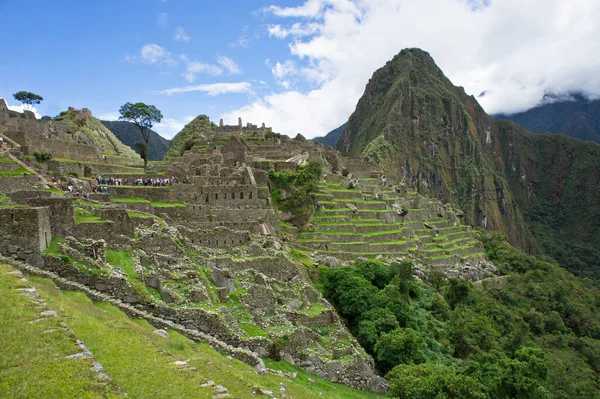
(79,185)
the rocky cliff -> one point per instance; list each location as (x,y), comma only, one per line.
(431,135)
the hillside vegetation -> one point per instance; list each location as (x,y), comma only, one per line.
(532,333)
(138,362)
(83,128)
(421,128)
(331,138)
(129,134)
(578,117)
(199,128)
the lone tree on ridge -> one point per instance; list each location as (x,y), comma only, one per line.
(28,99)
(143,116)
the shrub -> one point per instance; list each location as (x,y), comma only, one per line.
(42,157)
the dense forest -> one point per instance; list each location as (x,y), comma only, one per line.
(531,333)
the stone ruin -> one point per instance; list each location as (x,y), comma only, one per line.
(208,251)
(250,130)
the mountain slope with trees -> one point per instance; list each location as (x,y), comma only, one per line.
(129,134)
(541,190)
(577,117)
(331,138)
(531,333)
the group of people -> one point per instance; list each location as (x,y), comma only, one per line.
(140,181)
(76,193)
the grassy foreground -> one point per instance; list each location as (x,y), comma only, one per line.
(138,361)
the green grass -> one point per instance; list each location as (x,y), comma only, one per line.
(397,242)
(84,216)
(88,219)
(53,248)
(379,233)
(167,204)
(16,172)
(441,257)
(128,199)
(33,364)
(54,190)
(254,331)
(7,161)
(124,261)
(139,215)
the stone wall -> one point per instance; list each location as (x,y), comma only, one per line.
(24,232)
(61,213)
(153,194)
(35,142)
(22,197)
(12,121)
(112,233)
(11,184)
(101,167)
(220,237)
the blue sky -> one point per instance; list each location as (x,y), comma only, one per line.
(299,66)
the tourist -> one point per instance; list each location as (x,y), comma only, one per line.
(1,141)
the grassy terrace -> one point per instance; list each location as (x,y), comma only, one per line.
(33,363)
(7,161)
(84,216)
(139,362)
(157,204)
(16,172)
(98,163)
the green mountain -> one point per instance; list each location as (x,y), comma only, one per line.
(331,138)
(129,134)
(542,191)
(577,117)
(198,129)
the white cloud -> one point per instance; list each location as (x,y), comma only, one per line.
(225,66)
(311,8)
(162,19)
(155,54)
(229,65)
(296,29)
(180,35)
(192,68)
(169,127)
(212,89)
(109,116)
(515,50)
(281,70)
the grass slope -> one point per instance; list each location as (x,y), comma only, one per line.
(137,360)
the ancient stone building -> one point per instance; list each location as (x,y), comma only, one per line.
(24,231)
(249,130)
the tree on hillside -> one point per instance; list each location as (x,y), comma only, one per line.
(143,116)
(28,99)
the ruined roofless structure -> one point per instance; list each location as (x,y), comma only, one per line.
(249,130)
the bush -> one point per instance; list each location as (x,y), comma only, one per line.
(298,188)
(42,157)
(87,171)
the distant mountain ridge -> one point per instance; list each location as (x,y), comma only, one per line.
(331,138)
(129,134)
(577,117)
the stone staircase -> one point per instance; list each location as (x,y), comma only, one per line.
(365,222)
